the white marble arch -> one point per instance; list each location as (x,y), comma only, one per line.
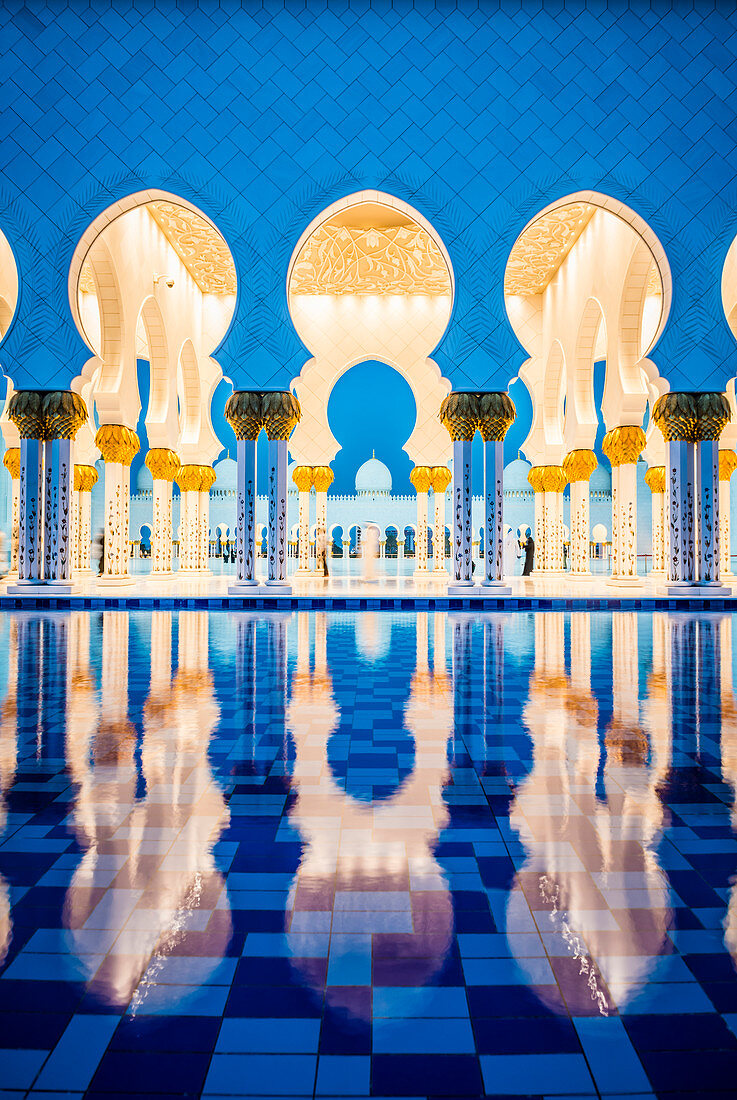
(591,311)
(147,305)
(341,331)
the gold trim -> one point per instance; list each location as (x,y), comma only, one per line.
(547,479)
(579,465)
(65,413)
(85,477)
(676,414)
(25,409)
(655,478)
(302,478)
(441,478)
(11,462)
(163,463)
(623,445)
(727,464)
(323,477)
(421,478)
(116,443)
(714,413)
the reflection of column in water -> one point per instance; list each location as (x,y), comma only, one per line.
(371,848)
(580,848)
(8,764)
(245,676)
(277,664)
(52,694)
(30,667)
(164,838)
(728,739)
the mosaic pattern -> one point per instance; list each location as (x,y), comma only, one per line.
(332,854)
(262,115)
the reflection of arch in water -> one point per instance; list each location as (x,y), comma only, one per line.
(181,798)
(373,848)
(558,817)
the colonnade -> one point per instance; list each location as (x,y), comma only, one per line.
(47,423)
(492,413)
(278,413)
(305,478)
(691,424)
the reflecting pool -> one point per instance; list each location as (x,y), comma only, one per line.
(335,854)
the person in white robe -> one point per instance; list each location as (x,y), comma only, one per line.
(512,553)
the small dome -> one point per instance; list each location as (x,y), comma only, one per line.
(373,477)
(515,475)
(225,475)
(144,480)
(601,479)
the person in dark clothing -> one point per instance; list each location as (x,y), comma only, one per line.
(529,555)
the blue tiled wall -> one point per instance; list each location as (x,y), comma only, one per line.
(476,114)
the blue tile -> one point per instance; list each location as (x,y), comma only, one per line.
(254,1074)
(343,1075)
(72,1063)
(524,1075)
(611,1057)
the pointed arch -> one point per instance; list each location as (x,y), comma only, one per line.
(158,355)
(581,419)
(188,392)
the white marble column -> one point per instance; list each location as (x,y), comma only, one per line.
(462,532)
(280,414)
(85,477)
(163,464)
(188,479)
(30,549)
(243,411)
(421,479)
(346,556)
(727,466)
(58,511)
(441,478)
(623,446)
(680,532)
(118,445)
(277,540)
(655,480)
(246,518)
(578,467)
(707,497)
(494,513)
(548,483)
(302,478)
(496,414)
(11,461)
(203,521)
(323,479)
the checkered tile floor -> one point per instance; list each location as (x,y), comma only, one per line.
(377,854)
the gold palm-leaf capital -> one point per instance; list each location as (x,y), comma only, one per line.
(655,479)
(25,409)
(623,445)
(676,415)
(322,477)
(64,413)
(243,411)
(714,413)
(421,478)
(496,413)
(281,413)
(579,465)
(459,415)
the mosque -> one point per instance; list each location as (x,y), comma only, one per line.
(567,269)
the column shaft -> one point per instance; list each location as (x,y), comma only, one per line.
(421,541)
(552,561)
(462,512)
(304,531)
(161,533)
(707,473)
(277,565)
(57,511)
(84,530)
(14,525)
(117,518)
(321,528)
(438,540)
(658,527)
(725,533)
(30,565)
(580,528)
(203,530)
(246,517)
(494,511)
(624,520)
(189,531)
(680,531)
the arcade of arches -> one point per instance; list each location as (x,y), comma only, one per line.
(153,279)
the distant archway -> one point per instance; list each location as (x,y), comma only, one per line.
(370,280)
